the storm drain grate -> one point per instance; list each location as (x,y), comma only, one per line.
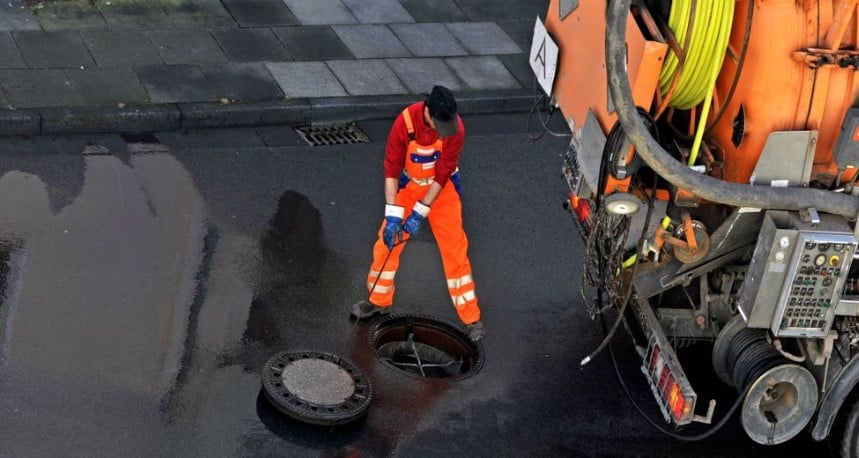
(332,134)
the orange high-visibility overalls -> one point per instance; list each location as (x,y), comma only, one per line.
(445,219)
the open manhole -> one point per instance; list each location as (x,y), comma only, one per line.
(332,134)
(425,347)
(315,387)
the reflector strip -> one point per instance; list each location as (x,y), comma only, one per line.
(664,374)
(456,283)
(676,402)
(386,275)
(379,289)
(463,299)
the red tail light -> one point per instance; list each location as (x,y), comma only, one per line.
(580,207)
(676,401)
(654,359)
(666,388)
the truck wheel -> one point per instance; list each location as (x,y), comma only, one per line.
(844,437)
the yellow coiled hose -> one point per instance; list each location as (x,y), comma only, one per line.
(706,50)
(705,53)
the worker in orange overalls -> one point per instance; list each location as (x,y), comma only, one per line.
(421,173)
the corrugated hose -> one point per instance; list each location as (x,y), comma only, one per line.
(677,173)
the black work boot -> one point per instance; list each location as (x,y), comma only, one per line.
(366,309)
(475,331)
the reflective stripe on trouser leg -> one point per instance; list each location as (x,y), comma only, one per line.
(383,294)
(384,285)
(446,222)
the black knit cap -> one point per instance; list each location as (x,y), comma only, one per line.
(442,110)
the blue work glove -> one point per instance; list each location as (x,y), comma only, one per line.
(393,232)
(456,179)
(413,222)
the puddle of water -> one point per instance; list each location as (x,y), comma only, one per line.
(97,283)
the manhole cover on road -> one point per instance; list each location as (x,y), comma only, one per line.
(317,388)
(425,347)
(332,134)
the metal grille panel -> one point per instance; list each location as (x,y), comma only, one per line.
(332,134)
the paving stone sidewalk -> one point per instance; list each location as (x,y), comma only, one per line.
(86,65)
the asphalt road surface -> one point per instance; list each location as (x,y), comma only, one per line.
(142,292)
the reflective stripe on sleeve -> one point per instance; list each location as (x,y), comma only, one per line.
(457,283)
(463,299)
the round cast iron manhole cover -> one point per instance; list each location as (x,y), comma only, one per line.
(425,347)
(315,387)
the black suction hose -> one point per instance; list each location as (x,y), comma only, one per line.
(680,175)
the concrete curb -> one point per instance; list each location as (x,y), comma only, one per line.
(216,115)
(167,117)
(89,120)
(20,122)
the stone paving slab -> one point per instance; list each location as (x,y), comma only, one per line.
(70,15)
(520,31)
(133,14)
(519,67)
(320,12)
(62,49)
(483,38)
(10,57)
(428,40)
(260,13)
(176,83)
(241,62)
(378,11)
(483,72)
(122,48)
(370,41)
(199,13)
(187,46)
(106,86)
(318,43)
(305,79)
(251,45)
(367,77)
(420,75)
(434,10)
(39,88)
(499,10)
(242,82)
(14,15)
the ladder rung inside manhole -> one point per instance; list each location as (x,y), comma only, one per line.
(332,134)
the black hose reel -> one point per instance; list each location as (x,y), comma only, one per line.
(780,395)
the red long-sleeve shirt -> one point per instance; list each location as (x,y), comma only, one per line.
(398,140)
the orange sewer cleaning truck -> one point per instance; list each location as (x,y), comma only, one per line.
(713,177)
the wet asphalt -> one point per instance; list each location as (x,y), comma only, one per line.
(143,292)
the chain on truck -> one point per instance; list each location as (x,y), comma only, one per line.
(713,176)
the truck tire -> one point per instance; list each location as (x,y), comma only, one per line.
(844,437)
